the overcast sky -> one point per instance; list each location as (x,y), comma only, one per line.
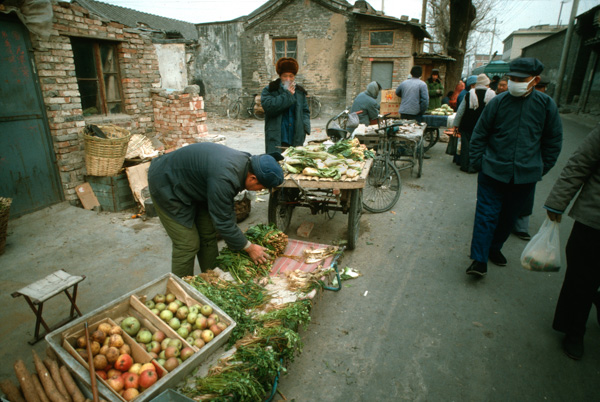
(512,14)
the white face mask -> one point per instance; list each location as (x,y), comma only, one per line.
(518,88)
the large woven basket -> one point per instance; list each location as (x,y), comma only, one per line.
(4,213)
(105,156)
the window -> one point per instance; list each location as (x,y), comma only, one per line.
(284,48)
(98,78)
(382,38)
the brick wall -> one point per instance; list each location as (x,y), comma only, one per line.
(179,118)
(56,70)
(363,55)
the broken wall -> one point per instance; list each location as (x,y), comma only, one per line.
(218,64)
(322,37)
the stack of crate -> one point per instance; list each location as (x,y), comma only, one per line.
(390,103)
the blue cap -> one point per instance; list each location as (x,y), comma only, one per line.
(525,67)
(472,80)
(267,170)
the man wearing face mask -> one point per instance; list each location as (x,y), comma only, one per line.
(515,142)
(287,116)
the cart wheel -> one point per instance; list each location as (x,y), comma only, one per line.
(420,152)
(382,187)
(354,214)
(430,137)
(280,213)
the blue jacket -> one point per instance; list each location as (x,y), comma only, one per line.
(415,96)
(367,102)
(517,138)
(275,101)
(201,175)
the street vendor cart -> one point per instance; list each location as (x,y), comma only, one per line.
(319,195)
(434,123)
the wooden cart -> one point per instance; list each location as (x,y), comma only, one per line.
(320,195)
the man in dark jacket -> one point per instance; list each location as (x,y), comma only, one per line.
(515,142)
(287,116)
(193,190)
(367,102)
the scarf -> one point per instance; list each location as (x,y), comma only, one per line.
(474,102)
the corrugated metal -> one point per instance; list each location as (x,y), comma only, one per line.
(28,172)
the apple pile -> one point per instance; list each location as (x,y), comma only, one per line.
(113,360)
(197,324)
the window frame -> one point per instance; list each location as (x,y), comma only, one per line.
(382,30)
(285,41)
(100,75)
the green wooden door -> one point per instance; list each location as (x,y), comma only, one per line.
(28,171)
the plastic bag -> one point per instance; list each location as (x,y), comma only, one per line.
(542,253)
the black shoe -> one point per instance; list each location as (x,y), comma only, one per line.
(523,235)
(426,156)
(597,304)
(477,269)
(573,346)
(497,258)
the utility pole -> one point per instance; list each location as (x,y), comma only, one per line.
(562,3)
(424,13)
(382,6)
(565,53)
(492,46)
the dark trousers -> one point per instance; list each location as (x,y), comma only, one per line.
(582,279)
(199,241)
(465,139)
(498,206)
(417,117)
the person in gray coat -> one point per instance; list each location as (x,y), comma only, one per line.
(367,102)
(582,278)
(287,116)
(193,189)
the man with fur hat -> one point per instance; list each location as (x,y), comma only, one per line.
(516,141)
(435,89)
(192,190)
(287,116)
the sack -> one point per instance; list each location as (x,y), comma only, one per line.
(542,253)
(452,145)
(353,122)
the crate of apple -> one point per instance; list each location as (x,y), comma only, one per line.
(197,324)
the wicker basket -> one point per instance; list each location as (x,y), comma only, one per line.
(105,156)
(242,209)
(4,213)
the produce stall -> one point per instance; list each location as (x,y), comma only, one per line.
(441,117)
(226,333)
(322,180)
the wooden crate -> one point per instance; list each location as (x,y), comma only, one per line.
(62,340)
(391,108)
(112,192)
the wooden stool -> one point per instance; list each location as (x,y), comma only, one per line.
(38,292)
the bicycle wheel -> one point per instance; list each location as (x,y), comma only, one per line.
(340,120)
(279,212)
(430,137)
(315,107)
(382,187)
(258,114)
(234,108)
(420,152)
(354,214)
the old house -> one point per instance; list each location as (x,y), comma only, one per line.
(340,48)
(79,67)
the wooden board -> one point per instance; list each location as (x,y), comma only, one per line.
(86,196)
(138,180)
(293,180)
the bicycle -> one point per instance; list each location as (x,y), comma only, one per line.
(254,109)
(383,185)
(314,105)
(430,137)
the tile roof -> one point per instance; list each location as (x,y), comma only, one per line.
(132,18)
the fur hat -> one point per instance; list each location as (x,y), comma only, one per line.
(286,65)
(482,80)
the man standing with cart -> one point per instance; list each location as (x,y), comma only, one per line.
(193,190)
(414,95)
(515,142)
(287,116)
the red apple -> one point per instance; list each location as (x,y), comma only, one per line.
(147,366)
(132,380)
(116,382)
(130,394)
(215,329)
(113,372)
(186,353)
(124,362)
(147,378)
(102,374)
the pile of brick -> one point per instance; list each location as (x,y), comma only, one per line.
(180,119)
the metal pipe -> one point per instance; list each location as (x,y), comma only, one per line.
(565,53)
